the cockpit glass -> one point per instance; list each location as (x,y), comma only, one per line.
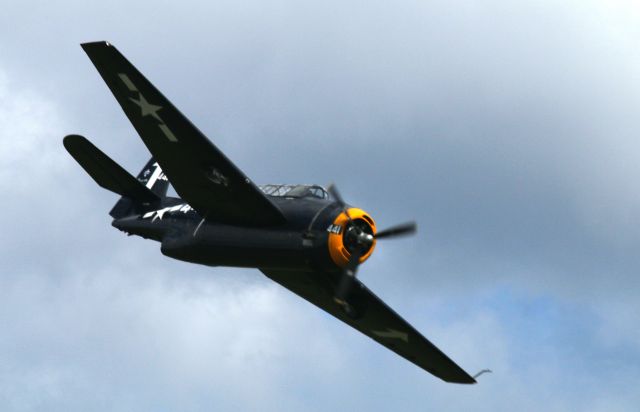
(295,191)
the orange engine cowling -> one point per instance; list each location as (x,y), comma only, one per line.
(338,247)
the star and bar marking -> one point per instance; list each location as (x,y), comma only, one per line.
(146,108)
(392,334)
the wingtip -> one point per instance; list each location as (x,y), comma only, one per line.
(71,138)
(468,380)
(73,142)
(459,376)
(101,43)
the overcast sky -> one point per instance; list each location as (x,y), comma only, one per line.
(508,130)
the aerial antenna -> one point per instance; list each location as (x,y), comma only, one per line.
(482,372)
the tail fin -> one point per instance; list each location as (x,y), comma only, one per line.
(137,194)
(152,177)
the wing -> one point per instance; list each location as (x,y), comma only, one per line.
(200,173)
(375,319)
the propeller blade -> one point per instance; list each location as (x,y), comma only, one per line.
(399,230)
(333,191)
(348,277)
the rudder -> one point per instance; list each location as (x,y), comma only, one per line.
(152,177)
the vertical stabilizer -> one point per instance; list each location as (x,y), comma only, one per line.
(153,178)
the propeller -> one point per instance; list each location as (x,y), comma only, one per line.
(333,191)
(403,229)
(359,243)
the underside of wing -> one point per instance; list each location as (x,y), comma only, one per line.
(200,173)
(373,318)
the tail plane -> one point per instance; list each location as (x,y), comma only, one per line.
(137,194)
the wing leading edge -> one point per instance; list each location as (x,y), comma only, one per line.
(200,173)
(376,320)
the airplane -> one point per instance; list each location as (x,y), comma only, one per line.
(304,237)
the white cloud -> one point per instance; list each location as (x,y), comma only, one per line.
(99,334)
(28,144)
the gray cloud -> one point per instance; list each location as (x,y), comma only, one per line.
(508,131)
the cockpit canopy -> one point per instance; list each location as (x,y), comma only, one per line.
(295,191)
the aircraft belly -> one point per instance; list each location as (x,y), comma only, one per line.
(239,247)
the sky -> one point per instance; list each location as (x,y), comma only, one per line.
(507,130)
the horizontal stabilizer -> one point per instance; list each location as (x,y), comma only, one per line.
(105,171)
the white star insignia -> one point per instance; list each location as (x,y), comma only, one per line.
(147,108)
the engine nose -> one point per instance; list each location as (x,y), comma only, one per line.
(345,236)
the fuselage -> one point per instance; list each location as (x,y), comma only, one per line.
(311,238)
